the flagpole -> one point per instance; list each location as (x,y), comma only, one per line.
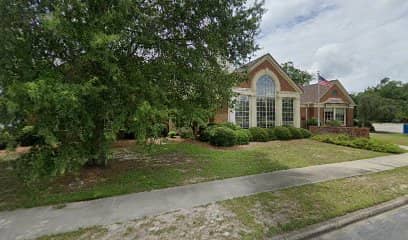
(318,100)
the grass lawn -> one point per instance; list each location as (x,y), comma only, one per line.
(171,165)
(396,138)
(259,216)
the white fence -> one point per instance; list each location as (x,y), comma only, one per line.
(389,127)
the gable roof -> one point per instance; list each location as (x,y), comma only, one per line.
(268,57)
(310,92)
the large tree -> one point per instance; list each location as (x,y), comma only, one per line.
(386,102)
(299,76)
(74,72)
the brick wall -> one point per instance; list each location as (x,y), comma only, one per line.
(221,115)
(351,131)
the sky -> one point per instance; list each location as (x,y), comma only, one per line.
(358,42)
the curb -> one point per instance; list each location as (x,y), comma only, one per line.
(342,221)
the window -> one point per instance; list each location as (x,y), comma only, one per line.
(287,111)
(334,93)
(340,114)
(265,112)
(242,111)
(265,102)
(328,114)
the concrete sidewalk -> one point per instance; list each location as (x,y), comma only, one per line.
(34,222)
(404,147)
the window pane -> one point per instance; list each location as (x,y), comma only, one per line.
(242,111)
(265,86)
(287,111)
(265,112)
(340,113)
(328,114)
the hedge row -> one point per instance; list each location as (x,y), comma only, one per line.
(361,143)
(228,134)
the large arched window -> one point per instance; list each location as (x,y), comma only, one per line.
(265,102)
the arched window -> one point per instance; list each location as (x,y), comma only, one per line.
(265,102)
(265,87)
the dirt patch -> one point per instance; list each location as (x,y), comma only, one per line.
(207,223)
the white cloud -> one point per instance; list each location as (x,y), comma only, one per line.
(356,41)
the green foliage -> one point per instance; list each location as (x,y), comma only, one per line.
(298,76)
(271,134)
(229,125)
(361,143)
(186,132)
(39,164)
(172,134)
(81,71)
(283,133)
(295,133)
(243,136)
(206,132)
(312,122)
(305,133)
(333,123)
(259,134)
(386,102)
(223,136)
(148,122)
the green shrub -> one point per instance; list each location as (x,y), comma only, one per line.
(243,136)
(172,134)
(305,133)
(223,136)
(186,132)
(361,143)
(271,134)
(312,122)
(207,132)
(295,133)
(333,123)
(282,133)
(229,125)
(259,134)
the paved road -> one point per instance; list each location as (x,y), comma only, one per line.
(34,222)
(391,225)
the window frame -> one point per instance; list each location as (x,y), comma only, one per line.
(288,111)
(242,111)
(265,102)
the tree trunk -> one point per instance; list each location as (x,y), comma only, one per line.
(99,145)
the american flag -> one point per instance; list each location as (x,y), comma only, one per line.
(322,81)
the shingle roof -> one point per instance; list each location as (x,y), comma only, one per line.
(310,92)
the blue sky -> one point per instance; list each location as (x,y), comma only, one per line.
(356,41)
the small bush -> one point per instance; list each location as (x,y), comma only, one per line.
(259,134)
(305,133)
(333,123)
(223,136)
(229,125)
(186,132)
(206,133)
(295,133)
(361,143)
(312,122)
(282,133)
(271,134)
(172,134)
(243,136)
